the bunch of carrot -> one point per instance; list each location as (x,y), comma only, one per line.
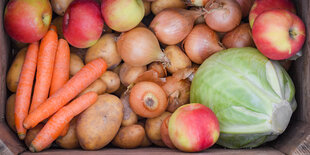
(50,61)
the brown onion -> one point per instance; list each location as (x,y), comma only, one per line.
(186,73)
(223,15)
(159,68)
(177,92)
(128,74)
(139,47)
(241,36)
(201,43)
(151,76)
(196,2)
(200,19)
(177,58)
(171,26)
(246,6)
(159,5)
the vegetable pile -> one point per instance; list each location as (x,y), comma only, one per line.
(183,74)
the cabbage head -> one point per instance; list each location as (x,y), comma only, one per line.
(252,96)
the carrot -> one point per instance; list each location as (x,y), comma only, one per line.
(24,88)
(81,80)
(65,130)
(61,66)
(45,67)
(55,125)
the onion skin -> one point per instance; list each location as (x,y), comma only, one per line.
(128,74)
(171,26)
(159,68)
(177,58)
(196,2)
(223,15)
(246,6)
(241,36)
(139,47)
(159,5)
(201,43)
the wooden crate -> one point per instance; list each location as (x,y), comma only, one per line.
(295,140)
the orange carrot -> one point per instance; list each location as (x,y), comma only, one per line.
(55,125)
(24,88)
(61,66)
(81,80)
(46,59)
(65,130)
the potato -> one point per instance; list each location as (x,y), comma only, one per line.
(159,5)
(152,128)
(129,117)
(112,81)
(98,125)
(60,6)
(9,112)
(70,140)
(58,23)
(120,90)
(178,59)
(97,86)
(128,74)
(76,63)
(105,48)
(15,69)
(129,137)
(32,133)
(81,52)
(145,142)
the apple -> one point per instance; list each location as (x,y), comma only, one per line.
(83,23)
(122,15)
(260,6)
(278,34)
(193,127)
(164,133)
(27,21)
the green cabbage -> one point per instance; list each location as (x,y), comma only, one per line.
(252,97)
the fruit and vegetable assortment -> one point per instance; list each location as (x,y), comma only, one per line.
(182,74)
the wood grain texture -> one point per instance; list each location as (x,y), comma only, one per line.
(296,139)
(300,70)
(160,151)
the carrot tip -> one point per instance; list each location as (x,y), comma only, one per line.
(32,148)
(21,136)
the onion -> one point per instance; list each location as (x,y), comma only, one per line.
(200,19)
(241,36)
(186,73)
(160,5)
(223,15)
(201,43)
(151,76)
(139,47)
(246,6)
(196,2)
(159,68)
(177,58)
(177,92)
(171,26)
(128,74)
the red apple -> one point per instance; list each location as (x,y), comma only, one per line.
(193,127)
(83,23)
(260,6)
(27,21)
(164,133)
(122,15)
(278,34)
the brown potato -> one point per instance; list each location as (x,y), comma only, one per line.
(129,137)
(97,86)
(32,133)
(105,48)
(145,142)
(112,81)
(70,140)
(58,23)
(129,117)
(128,74)
(98,125)
(15,69)
(9,112)
(152,128)
(76,63)
(178,59)
(147,7)
(60,6)
(159,5)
